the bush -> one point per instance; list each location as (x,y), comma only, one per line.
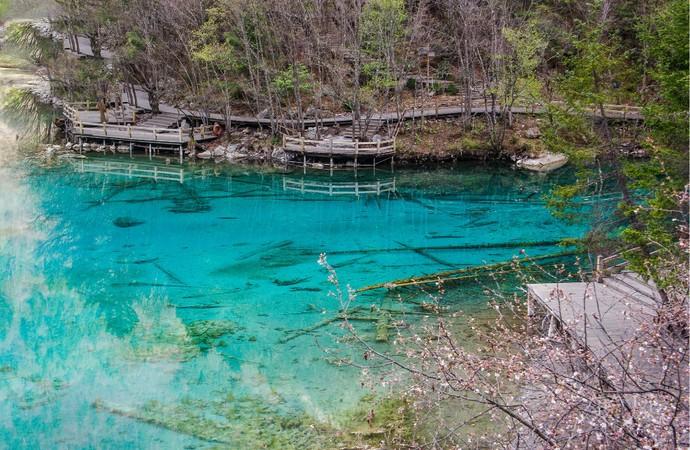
(411,84)
(452,89)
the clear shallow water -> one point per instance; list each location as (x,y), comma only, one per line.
(172,302)
(151,314)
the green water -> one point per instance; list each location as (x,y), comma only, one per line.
(129,305)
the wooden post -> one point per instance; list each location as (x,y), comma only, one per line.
(530,305)
(330,151)
(130,149)
(304,155)
(181,155)
(181,176)
(356,152)
(129,130)
(599,270)
(150,152)
(81,146)
(553,323)
(155,136)
(180,133)
(105,130)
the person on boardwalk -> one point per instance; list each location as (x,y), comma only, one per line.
(103,109)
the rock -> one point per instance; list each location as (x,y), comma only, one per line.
(71,156)
(310,133)
(68,146)
(126,222)
(94,146)
(533,133)
(544,163)
(376,138)
(212,153)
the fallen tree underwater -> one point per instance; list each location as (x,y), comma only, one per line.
(465,273)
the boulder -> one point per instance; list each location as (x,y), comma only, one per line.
(533,133)
(543,163)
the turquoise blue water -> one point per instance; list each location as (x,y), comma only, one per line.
(129,304)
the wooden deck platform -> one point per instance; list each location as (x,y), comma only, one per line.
(358,153)
(602,317)
(594,314)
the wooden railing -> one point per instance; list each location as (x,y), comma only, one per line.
(72,111)
(607,265)
(129,132)
(338,147)
(339,188)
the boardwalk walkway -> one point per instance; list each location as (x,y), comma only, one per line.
(602,317)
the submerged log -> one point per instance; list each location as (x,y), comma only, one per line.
(454,275)
(406,248)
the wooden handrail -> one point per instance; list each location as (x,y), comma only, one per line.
(201,130)
(337,143)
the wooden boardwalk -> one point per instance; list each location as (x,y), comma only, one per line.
(602,317)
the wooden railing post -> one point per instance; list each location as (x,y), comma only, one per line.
(599,270)
(129,130)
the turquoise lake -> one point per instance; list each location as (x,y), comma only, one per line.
(191,312)
(118,293)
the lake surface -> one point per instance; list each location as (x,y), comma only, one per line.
(120,295)
(151,313)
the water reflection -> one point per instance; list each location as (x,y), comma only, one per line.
(354,187)
(139,169)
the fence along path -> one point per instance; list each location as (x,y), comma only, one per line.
(125,131)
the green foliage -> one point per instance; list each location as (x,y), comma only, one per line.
(382,25)
(594,70)
(211,45)
(26,37)
(24,108)
(377,76)
(452,89)
(662,212)
(4,8)
(135,44)
(527,47)
(292,78)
